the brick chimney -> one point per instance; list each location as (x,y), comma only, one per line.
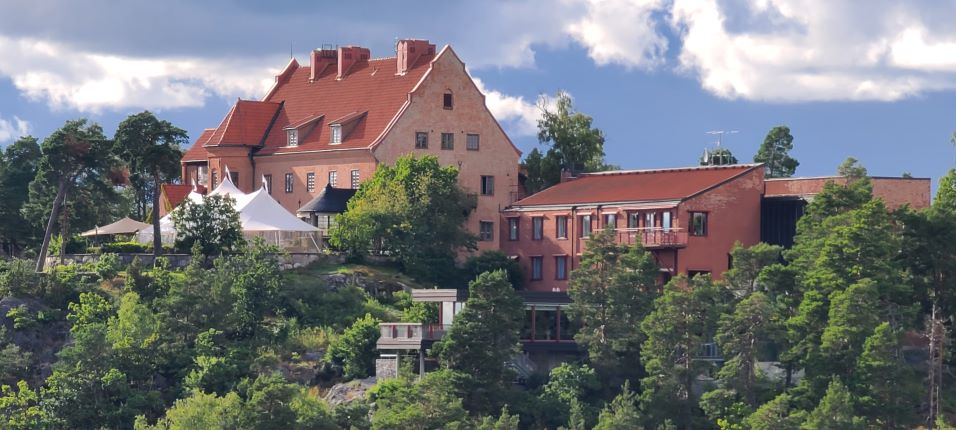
(320,60)
(408,51)
(349,55)
(567,175)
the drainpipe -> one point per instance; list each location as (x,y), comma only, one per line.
(573,228)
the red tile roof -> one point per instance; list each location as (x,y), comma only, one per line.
(635,185)
(370,86)
(197,152)
(176,193)
(245,124)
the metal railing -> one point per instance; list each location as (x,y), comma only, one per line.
(412,332)
(654,237)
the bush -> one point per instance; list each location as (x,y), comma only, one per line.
(107,266)
(22,317)
(75,245)
(355,348)
(18,279)
(125,248)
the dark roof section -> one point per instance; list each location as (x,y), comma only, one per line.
(330,200)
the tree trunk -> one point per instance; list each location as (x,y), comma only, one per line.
(157,238)
(48,233)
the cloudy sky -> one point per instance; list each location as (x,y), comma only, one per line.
(872,79)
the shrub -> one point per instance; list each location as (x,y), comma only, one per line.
(125,248)
(22,317)
(355,348)
(107,266)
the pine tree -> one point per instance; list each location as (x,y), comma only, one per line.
(887,394)
(739,336)
(835,411)
(775,153)
(621,413)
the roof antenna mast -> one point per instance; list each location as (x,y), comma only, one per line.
(718,157)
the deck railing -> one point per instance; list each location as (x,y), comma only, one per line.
(412,332)
(656,237)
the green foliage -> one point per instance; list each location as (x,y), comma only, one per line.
(355,348)
(108,266)
(19,408)
(851,168)
(743,278)
(18,279)
(775,153)
(575,143)
(125,248)
(622,412)
(684,317)
(22,317)
(431,403)
(483,338)
(199,411)
(489,261)
(946,192)
(18,166)
(888,390)
(739,335)
(543,170)
(505,421)
(352,415)
(271,403)
(611,292)
(213,224)
(414,210)
(421,312)
(777,414)
(835,410)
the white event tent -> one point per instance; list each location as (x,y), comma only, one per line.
(259,214)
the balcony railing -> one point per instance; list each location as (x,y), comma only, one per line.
(656,237)
(403,335)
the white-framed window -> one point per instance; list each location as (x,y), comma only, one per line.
(472,141)
(633,219)
(268,179)
(333,178)
(561,229)
(486,231)
(288,182)
(336,133)
(355,179)
(586,226)
(310,181)
(649,220)
(513,224)
(421,140)
(666,220)
(292,137)
(537,228)
(610,221)
(487,185)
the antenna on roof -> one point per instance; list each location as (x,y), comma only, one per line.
(720,134)
(290,48)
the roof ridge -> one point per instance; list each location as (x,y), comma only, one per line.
(670,169)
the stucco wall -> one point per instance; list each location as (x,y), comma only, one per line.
(426,113)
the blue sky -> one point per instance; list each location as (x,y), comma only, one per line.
(875,80)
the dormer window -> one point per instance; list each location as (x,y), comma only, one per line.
(336,133)
(292,137)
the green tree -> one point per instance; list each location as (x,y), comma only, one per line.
(150,149)
(255,287)
(622,412)
(18,166)
(851,320)
(835,410)
(739,336)
(777,414)
(718,157)
(946,192)
(271,402)
(19,408)
(775,153)
(851,168)
(431,403)
(355,348)
(483,338)
(575,142)
(744,275)
(199,411)
(414,210)
(505,421)
(213,224)
(542,170)
(611,292)
(684,317)
(489,261)
(74,158)
(888,390)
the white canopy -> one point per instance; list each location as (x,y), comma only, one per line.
(259,213)
(123,226)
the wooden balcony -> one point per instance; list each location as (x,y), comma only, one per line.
(650,238)
(409,335)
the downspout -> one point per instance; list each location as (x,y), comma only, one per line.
(573,228)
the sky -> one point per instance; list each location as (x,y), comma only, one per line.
(875,79)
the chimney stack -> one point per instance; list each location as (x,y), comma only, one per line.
(349,55)
(408,51)
(321,59)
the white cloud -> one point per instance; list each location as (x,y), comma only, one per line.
(517,115)
(13,129)
(813,50)
(621,32)
(90,81)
